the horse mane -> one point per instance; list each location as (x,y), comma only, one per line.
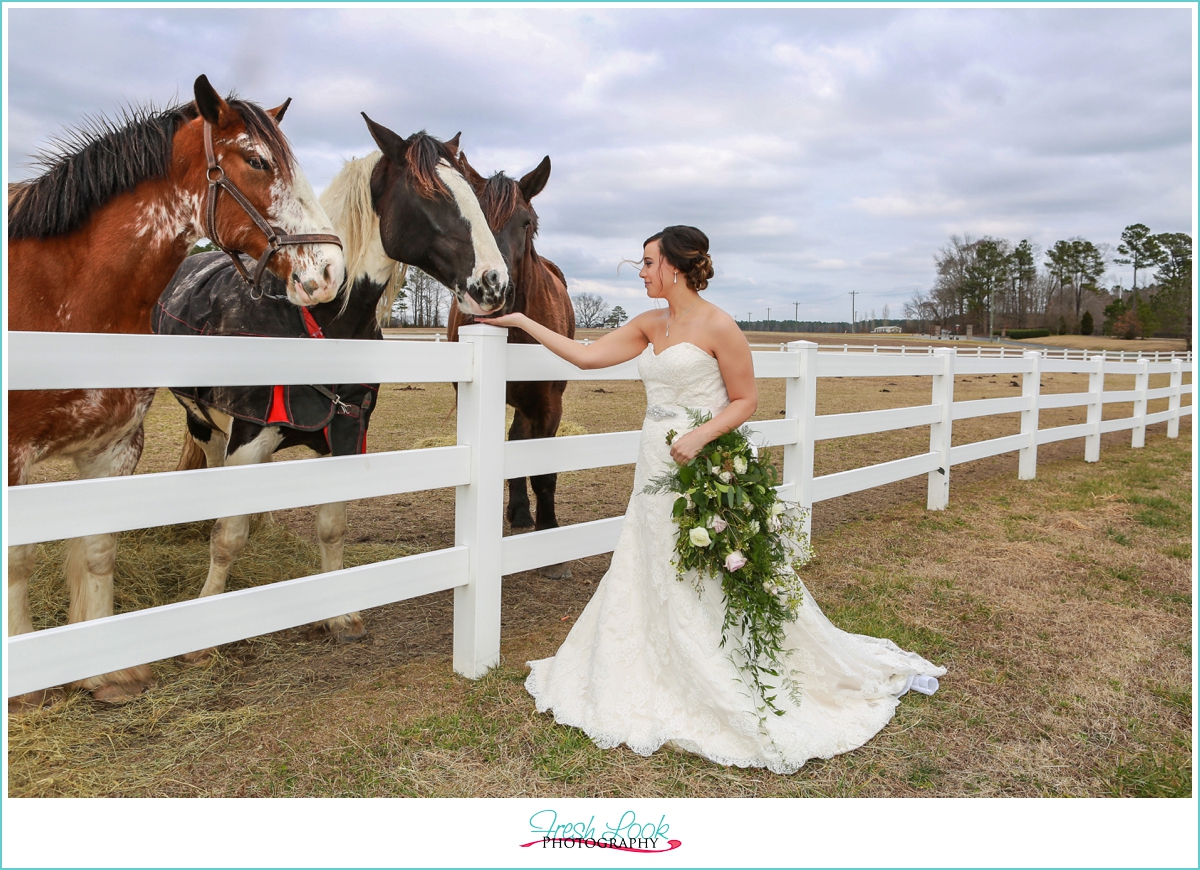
(498,198)
(87,166)
(425,152)
(347,201)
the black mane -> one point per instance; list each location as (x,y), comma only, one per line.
(424,154)
(499,198)
(89,165)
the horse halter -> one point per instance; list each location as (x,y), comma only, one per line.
(276,238)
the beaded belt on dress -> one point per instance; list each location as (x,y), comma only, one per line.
(666,412)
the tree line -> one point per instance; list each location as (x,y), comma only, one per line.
(424,302)
(992,284)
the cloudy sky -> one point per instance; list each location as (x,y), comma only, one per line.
(823,150)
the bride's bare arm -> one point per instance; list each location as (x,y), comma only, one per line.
(616,347)
(737,370)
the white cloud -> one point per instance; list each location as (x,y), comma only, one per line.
(822,150)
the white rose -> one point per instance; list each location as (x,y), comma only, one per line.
(739,465)
(699,537)
(773,524)
(725,476)
(777,509)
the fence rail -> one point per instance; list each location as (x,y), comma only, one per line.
(481,363)
(983,350)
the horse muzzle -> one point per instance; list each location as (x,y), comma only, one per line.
(485,296)
(315,274)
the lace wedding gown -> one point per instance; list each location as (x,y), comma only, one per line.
(643,663)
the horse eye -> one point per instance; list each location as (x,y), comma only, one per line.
(257,163)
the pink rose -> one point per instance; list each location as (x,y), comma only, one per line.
(719,525)
(734,561)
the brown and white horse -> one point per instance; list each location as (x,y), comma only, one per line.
(540,292)
(92,243)
(407,203)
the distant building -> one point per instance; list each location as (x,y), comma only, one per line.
(894,329)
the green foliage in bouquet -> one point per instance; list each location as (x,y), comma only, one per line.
(733,526)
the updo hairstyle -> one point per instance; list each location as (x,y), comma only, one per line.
(686,249)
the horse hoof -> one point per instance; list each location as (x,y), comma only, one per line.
(35,700)
(561,571)
(346,629)
(119,687)
(199,657)
(520,530)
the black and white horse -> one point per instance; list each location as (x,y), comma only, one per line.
(407,203)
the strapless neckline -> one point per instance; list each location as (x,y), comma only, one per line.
(656,355)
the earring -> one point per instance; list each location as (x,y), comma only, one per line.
(676,281)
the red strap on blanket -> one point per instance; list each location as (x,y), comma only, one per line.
(278,413)
(310,324)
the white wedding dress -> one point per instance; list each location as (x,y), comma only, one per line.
(643,663)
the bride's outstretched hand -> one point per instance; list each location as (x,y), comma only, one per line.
(513,319)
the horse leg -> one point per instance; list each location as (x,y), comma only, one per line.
(519,518)
(90,563)
(246,444)
(545,485)
(331,538)
(21,562)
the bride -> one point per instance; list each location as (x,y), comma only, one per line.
(643,665)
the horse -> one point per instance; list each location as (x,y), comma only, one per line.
(540,291)
(406,203)
(92,242)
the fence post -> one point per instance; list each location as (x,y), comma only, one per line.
(1173,406)
(1141,384)
(1031,388)
(801,406)
(479,506)
(940,432)
(1095,409)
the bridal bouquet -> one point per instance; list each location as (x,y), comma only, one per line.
(733,526)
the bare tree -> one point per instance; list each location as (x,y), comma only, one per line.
(426,298)
(591,310)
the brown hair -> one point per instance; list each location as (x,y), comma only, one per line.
(686,249)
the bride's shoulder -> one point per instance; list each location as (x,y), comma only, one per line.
(723,331)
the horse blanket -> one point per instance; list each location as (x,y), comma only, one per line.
(208,297)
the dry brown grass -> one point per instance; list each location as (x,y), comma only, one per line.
(1104,342)
(1061,606)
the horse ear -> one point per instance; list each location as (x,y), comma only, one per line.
(473,178)
(452,144)
(389,143)
(531,185)
(212,108)
(277,113)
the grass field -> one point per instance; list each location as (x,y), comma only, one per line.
(1061,606)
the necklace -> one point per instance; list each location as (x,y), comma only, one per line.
(681,316)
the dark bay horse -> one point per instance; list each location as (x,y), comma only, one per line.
(406,204)
(540,291)
(92,242)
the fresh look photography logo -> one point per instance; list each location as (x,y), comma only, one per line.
(628,834)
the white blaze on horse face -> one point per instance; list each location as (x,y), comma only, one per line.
(488,260)
(317,271)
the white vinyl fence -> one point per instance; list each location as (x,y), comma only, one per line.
(480,363)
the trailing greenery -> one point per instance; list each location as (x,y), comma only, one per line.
(733,526)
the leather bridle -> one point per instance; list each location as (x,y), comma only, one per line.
(276,238)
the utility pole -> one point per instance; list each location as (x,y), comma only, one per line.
(796,314)
(853,293)
(768,320)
